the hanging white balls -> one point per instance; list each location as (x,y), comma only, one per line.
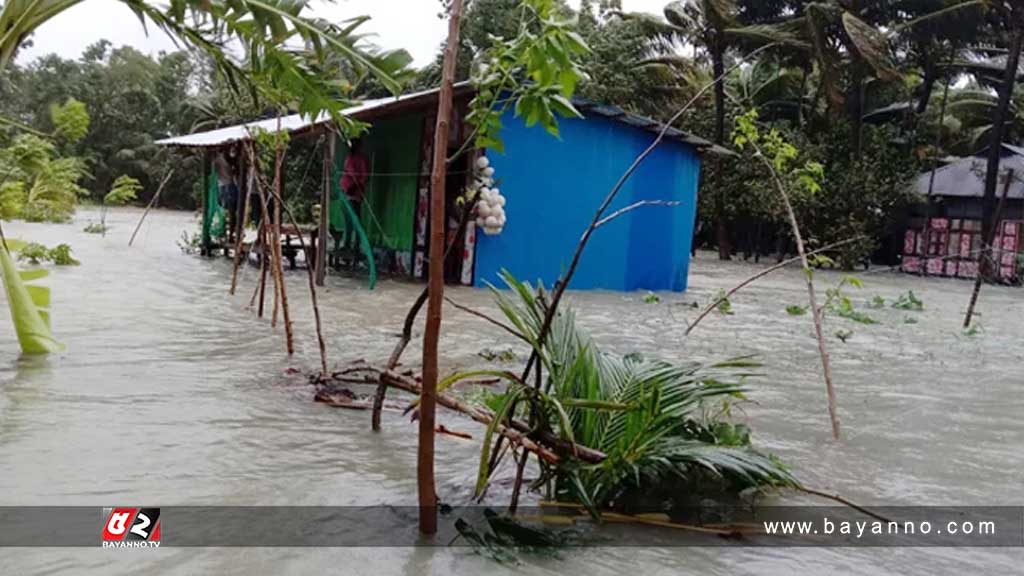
(490,206)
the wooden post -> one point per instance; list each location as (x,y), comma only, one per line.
(241,200)
(205,247)
(325,213)
(152,202)
(435,290)
(243,216)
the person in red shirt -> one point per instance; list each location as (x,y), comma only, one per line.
(354,176)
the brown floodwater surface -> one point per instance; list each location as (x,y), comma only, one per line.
(171,392)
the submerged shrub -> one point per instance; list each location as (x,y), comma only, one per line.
(666,428)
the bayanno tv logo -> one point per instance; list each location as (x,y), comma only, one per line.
(131,527)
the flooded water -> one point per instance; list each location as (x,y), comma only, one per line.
(171,392)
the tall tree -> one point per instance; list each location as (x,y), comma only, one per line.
(1010,18)
(713,27)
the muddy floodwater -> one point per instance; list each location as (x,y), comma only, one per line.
(171,392)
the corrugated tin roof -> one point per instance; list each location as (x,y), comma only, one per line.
(965,178)
(296,123)
(291,123)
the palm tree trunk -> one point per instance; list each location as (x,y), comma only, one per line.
(435,286)
(996,148)
(857,110)
(721,227)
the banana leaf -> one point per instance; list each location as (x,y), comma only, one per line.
(31,322)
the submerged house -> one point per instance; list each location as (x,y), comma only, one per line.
(943,237)
(552,186)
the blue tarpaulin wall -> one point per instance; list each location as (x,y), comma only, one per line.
(553,186)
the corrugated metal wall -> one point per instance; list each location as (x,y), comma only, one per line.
(553,188)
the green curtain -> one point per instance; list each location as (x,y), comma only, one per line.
(392,148)
(214,219)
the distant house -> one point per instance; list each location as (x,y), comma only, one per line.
(552,186)
(943,238)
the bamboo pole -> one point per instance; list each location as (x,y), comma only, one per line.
(325,213)
(152,202)
(264,264)
(310,274)
(240,232)
(425,455)
(265,239)
(205,246)
(279,255)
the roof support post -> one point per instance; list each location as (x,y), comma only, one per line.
(325,211)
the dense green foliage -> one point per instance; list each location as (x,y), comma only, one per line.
(667,428)
(857,86)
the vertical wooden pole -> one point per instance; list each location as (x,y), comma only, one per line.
(241,218)
(278,252)
(240,198)
(205,247)
(435,285)
(325,213)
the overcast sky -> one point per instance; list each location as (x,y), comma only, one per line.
(409,24)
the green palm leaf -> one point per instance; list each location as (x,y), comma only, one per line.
(27,304)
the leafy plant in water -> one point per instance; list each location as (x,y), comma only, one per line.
(190,243)
(837,302)
(61,256)
(651,298)
(794,310)
(844,335)
(34,252)
(877,302)
(660,424)
(502,537)
(724,305)
(504,356)
(909,301)
(123,191)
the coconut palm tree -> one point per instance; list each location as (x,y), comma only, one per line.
(712,27)
(261,27)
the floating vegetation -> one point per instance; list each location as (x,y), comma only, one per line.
(502,537)
(504,356)
(95,228)
(36,254)
(838,303)
(974,330)
(794,310)
(190,243)
(909,301)
(651,298)
(877,302)
(844,335)
(724,306)
(910,320)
